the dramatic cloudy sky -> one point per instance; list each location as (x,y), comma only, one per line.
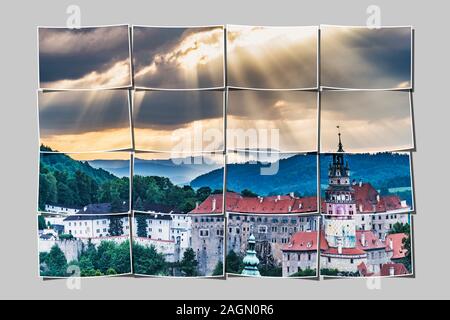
(292,113)
(366,59)
(86,58)
(82,121)
(370,121)
(178,121)
(272,57)
(178,58)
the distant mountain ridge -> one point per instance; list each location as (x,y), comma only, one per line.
(296,174)
(382,170)
(179,171)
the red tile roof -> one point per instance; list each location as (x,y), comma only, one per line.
(371,240)
(397,241)
(214,200)
(259,205)
(323,241)
(367,201)
(346,251)
(302,241)
(399,269)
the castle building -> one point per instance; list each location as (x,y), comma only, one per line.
(84,226)
(61,209)
(271,220)
(355,242)
(301,253)
(167,229)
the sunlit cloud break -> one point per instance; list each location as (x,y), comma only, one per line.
(83,121)
(272,57)
(178,58)
(370,121)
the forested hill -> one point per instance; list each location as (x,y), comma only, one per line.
(64,163)
(296,174)
(71,183)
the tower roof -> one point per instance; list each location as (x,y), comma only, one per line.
(340,146)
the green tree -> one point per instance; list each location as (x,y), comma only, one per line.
(56,262)
(141,222)
(147,260)
(203,193)
(234,263)
(406,260)
(111,271)
(399,227)
(188,265)
(305,273)
(105,254)
(65,236)
(139,204)
(121,260)
(269,270)
(248,193)
(116,203)
(47,190)
(218,270)
(41,223)
(329,272)
(115,226)
(65,194)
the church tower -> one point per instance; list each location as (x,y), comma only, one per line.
(340,203)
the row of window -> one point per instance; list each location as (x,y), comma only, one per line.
(203,233)
(297,256)
(85,223)
(208,219)
(273,220)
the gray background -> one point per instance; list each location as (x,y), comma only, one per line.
(18,254)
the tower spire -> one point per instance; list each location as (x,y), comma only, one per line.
(340,147)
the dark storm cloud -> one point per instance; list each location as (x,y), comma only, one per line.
(70,54)
(70,112)
(271,105)
(148,41)
(366,59)
(167,110)
(159,52)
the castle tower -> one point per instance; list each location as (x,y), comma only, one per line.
(251,261)
(340,203)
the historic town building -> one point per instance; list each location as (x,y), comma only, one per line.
(301,253)
(270,220)
(358,245)
(85,226)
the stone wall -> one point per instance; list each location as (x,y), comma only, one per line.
(208,242)
(71,248)
(296,261)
